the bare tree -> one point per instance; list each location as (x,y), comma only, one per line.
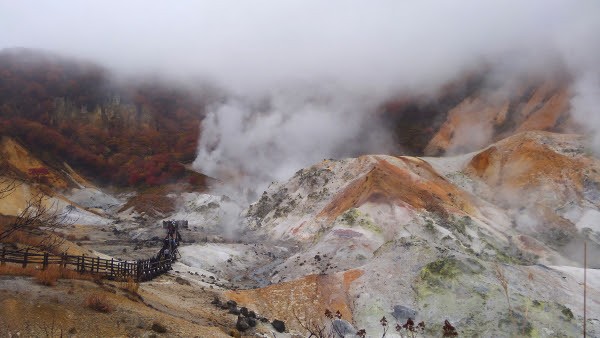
(8,183)
(36,222)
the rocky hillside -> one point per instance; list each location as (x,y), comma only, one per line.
(437,237)
(123,133)
(471,113)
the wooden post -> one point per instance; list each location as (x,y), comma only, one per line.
(25,258)
(584,286)
(2,262)
(112,267)
(45,263)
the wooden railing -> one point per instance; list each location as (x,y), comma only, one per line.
(140,270)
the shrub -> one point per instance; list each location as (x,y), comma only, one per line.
(131,286)
(49,276)
(158,327)
(98,302)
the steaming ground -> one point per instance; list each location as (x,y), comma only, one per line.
(348,223)
(379,235)
(300,81)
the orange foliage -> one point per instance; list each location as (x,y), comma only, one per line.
(146,149)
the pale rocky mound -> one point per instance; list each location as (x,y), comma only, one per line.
(437,237)
(482,118)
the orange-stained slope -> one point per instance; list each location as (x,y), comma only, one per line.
(307,297)
(411,182)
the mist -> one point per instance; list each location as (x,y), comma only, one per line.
(303,78)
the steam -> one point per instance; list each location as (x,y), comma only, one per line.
(253,143)
(303,78)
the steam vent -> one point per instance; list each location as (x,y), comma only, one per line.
(325,169)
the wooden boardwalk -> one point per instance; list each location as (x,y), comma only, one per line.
(140,270)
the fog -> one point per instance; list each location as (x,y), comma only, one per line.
(303,77)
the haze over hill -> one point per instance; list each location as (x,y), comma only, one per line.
(425,160)
(297,72)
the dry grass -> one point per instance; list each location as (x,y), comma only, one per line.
(34,240)
(47,277)
(17,270)
(98,302)
(131,286)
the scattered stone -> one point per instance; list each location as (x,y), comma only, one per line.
(402,313)
(343,328)
(242,324)
(244,311)
(231,303)
(251,314)
(251,321)
(234,311)
(216,301)
(278,325)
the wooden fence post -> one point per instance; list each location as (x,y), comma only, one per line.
(25,258)
(45,263)
(138,271)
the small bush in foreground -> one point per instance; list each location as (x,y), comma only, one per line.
(158,327)
(49,276)
(98,302)
(131,286)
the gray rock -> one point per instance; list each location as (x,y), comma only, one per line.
(278,325)
(402,313)
(341,328)
(242,324)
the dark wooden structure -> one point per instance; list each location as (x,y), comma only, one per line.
(140,270)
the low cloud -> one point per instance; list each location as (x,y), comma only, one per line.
(302,78)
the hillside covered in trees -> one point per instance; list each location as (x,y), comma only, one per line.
(126,134)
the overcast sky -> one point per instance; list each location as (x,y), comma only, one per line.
(256,44)
(322,65)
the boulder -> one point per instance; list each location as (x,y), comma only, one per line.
(343,328)
(251,321)
(242,324)
(402,313)
(278,325)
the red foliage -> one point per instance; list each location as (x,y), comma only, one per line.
(41,171)
(35,88)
